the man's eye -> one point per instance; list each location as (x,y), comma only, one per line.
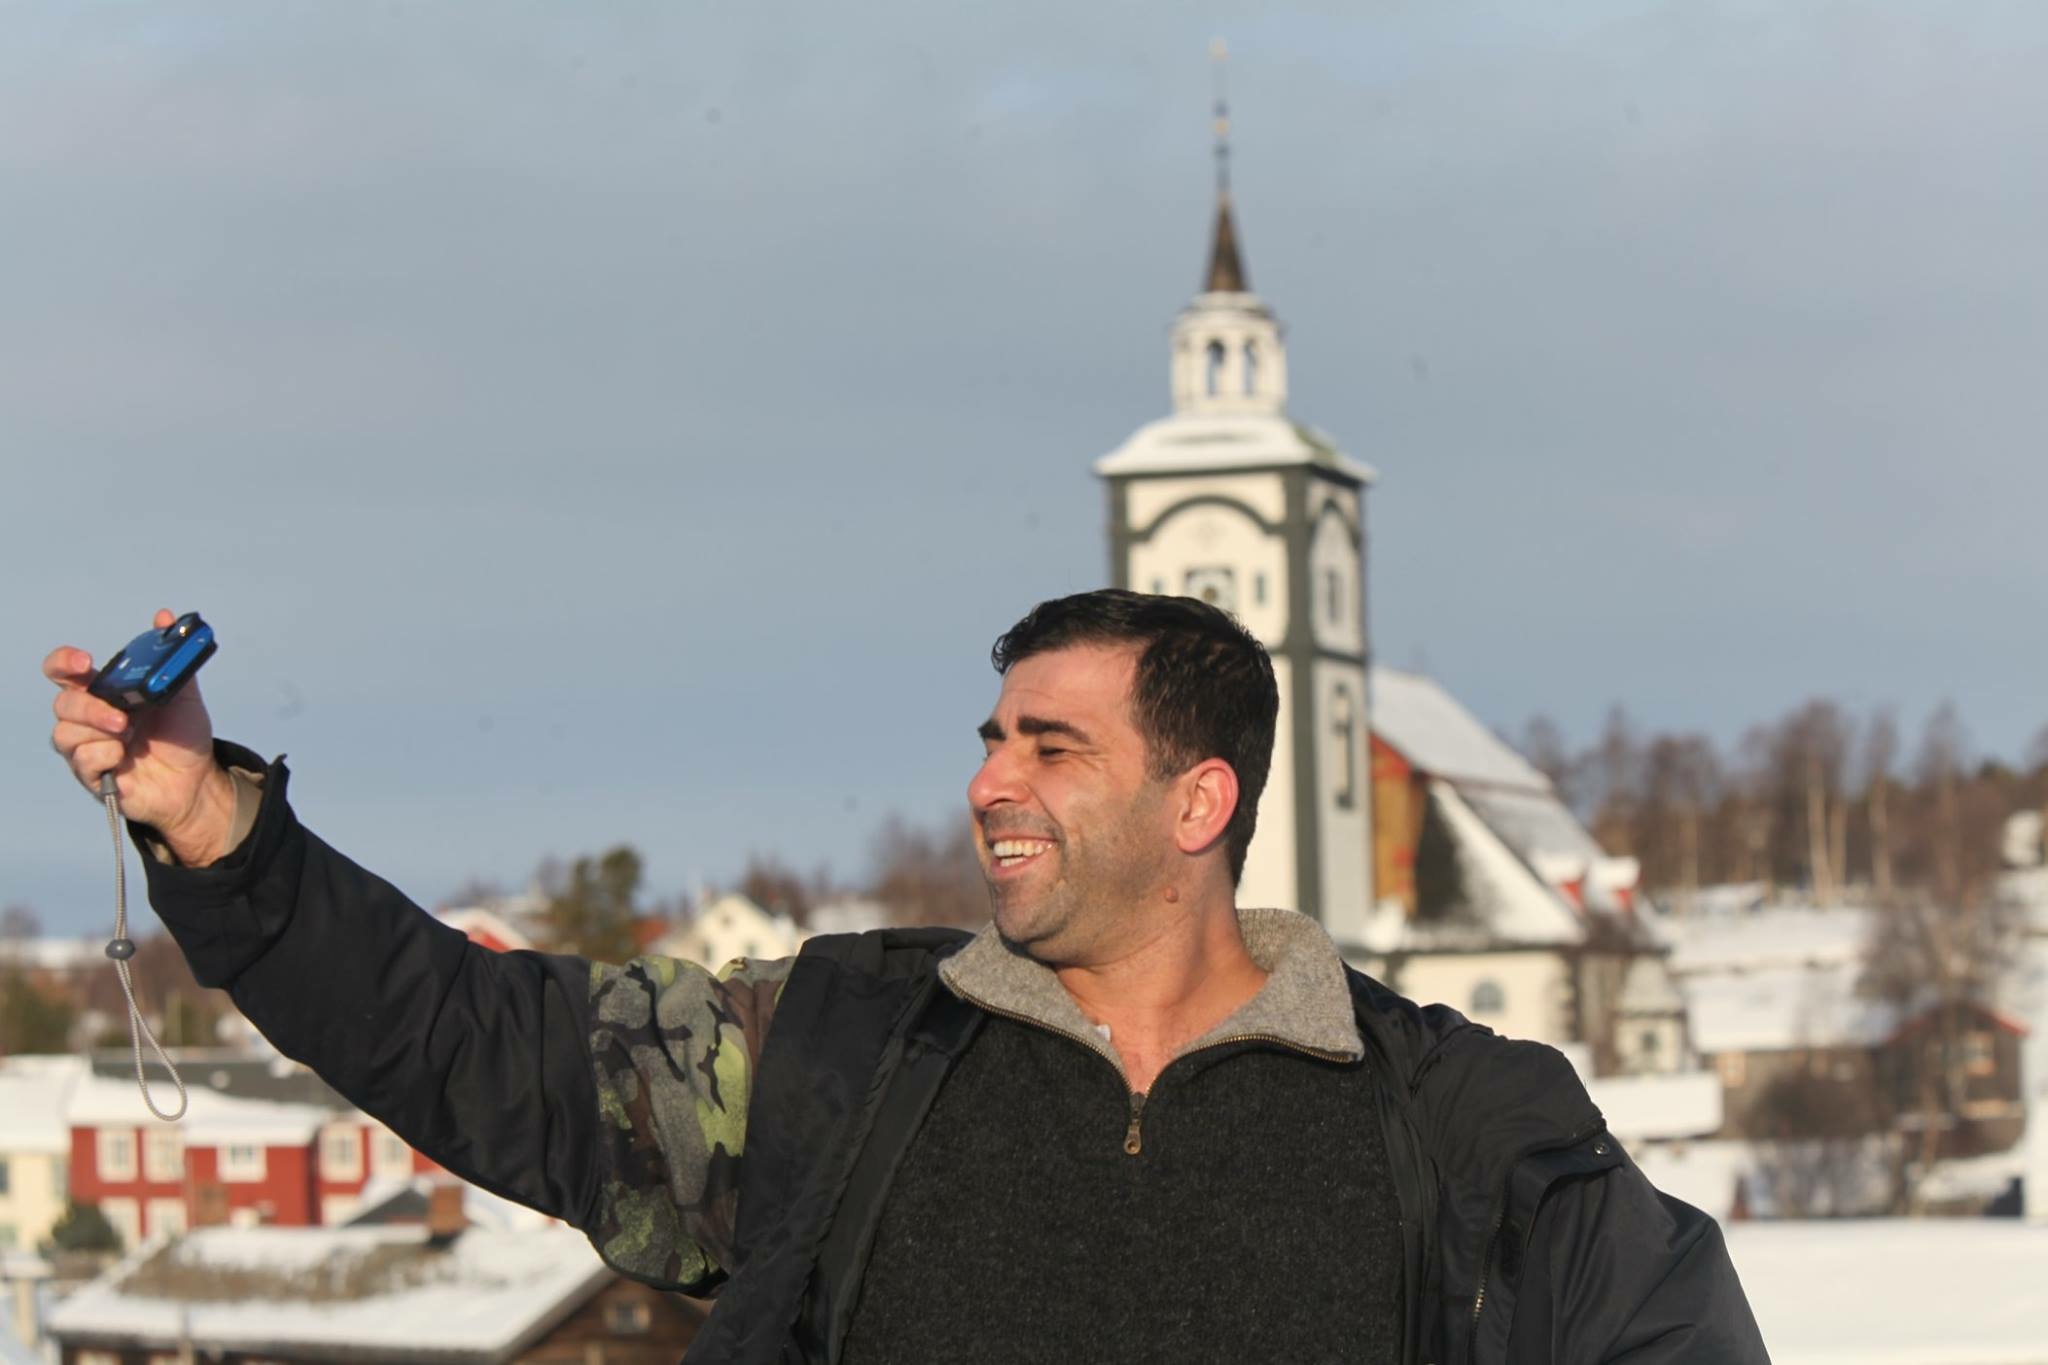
(1046,751)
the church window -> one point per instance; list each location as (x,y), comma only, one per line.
(1259,588)
(1159,586)
(1344,730)
(1333,593)
(1214,584)
(1488,998)
(1216,358)
(1251,368)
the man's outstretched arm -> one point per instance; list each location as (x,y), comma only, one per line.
(612,1097)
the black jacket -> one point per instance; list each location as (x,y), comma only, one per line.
(1529,1236)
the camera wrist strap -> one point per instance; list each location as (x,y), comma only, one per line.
(120,948)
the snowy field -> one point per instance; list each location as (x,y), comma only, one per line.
(1894,1292)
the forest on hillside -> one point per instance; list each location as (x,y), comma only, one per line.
(1833,804)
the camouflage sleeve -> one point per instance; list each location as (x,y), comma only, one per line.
(674,1047)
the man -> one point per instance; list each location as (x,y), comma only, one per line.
(1128,1121)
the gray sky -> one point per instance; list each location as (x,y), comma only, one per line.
(635,422)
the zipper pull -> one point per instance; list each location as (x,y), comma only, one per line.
(1134,1141)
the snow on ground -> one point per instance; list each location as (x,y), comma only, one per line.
(1897,1292)
(1703,1174)
(1975,1177)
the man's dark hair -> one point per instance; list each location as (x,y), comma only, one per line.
(1204,687)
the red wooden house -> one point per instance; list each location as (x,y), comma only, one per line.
(228,1161)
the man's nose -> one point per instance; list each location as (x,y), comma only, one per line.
(995,782)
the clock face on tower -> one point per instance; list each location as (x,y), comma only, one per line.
(1216,585)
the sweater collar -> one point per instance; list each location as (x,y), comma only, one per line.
(1305,1003)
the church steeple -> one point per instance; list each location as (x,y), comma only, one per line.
(1226,267)
(1228,354)
(1231,501)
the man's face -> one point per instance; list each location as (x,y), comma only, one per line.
(1071,832)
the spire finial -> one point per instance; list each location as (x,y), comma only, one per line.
(1219,56)
(1226,269)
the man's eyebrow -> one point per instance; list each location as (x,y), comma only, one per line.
(992,729)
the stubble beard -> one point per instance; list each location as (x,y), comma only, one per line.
(1090,896)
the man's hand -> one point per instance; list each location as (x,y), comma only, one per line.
(161,757)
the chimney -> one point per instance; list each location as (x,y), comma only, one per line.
(445,1219)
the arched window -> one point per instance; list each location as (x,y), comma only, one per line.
(1216,358)
(1345,761)
(1488,998)
(1251,368)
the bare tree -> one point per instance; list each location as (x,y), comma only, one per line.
(18,922)
(1943,942)
(1880,752)
(1616,773)
(472,892)
(776,887)
(1543,744)
(929,876)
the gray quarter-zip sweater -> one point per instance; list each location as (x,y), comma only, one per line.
(1240,1210)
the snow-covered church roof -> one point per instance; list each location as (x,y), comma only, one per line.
(1436,734)
(1191,442)
(1534,874)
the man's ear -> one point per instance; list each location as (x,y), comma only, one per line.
(1208,798)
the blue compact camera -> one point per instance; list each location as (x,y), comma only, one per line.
(155,664)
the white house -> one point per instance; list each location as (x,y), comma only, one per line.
(728,928)
(35,1146)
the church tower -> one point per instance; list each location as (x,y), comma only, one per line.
(1230,500)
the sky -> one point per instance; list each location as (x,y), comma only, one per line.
(634,422)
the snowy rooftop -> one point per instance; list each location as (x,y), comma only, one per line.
(53,954)
(1647,988)
(105,1101)
(34,1095)
(1896,1292)
(1428,727)
(1188,442)
(1743,941)
(1778,1008)
(340,1293)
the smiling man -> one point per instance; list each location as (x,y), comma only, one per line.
(1130,1120)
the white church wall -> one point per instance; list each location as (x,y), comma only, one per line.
(1323,494)
(1269,869)
(1146,499)
(1336,613)
(1344,781)
(1217,544)
(1517,994)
